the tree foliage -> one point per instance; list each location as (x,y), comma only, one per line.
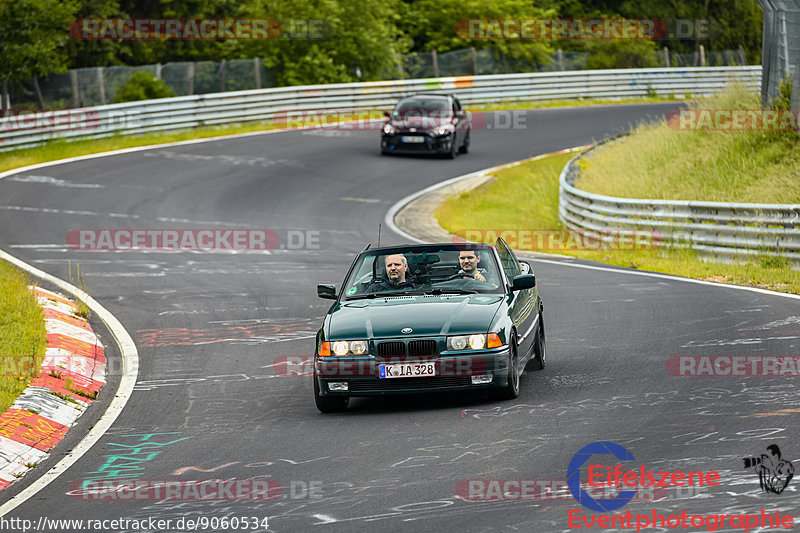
(32,37)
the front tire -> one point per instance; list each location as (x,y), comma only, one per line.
(511,389)
(464,147)
(453,147)
(329,404)
(539,358)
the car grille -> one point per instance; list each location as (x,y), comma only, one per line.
(424,347)
(391,349)
(409,383)
(414,348)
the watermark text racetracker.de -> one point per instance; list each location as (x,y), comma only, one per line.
(734,119)
(196,239)
(558,29)
(228,489)
(197,29)
(734,366)
(565,239)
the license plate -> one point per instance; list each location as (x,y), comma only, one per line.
(407,370)
(412,139)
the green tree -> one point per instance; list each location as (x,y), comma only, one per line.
(143,86)
(431,24)
(355,40)
(32,38)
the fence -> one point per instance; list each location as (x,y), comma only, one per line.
(262,105)
(718,229)
(781,48)
(87,87)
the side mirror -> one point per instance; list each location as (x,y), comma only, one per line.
(523,281)
(327,291)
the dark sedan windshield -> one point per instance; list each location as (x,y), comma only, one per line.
(424,270)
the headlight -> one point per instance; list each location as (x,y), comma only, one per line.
(474,342)
(388,129)
(443,130)
(341,348)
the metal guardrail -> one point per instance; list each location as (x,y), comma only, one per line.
(717,229)
(264,104)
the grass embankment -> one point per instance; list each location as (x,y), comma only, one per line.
(661,162)
(23,337)
(56,150)
(526,197)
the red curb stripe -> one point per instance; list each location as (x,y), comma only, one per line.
(31,429)
(79,381)
(42,293)
(58,385)
(55,314)
(78,347)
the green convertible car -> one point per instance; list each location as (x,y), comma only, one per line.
(425,318)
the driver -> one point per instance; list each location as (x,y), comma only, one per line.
(469,261)
(396,270)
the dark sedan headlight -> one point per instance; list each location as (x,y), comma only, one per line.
(477,341)
(443,130)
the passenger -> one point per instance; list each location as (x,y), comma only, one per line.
(396,270)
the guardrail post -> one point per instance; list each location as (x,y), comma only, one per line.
(38,93)
(474,56)
(742,56)
(190,79)
(666,57)
(101,85)
(158,71)
(257,69)
(702,56)
(560,56)
(73,81)
(223,71)
(435,59)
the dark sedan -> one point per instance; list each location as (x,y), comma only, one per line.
(427,123)
(425,318)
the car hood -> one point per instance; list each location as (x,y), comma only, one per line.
(425,315)
(422,123)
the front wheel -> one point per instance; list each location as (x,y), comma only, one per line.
(511,389)
(539,358)
(329,404)
(453,147)
(464,147)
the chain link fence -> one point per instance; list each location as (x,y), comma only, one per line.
(88,87)
(780,49)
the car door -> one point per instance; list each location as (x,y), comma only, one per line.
(522,306)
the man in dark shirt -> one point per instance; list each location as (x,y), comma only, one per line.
(469,260)
(396,270)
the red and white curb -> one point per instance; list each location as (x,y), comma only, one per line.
(72,373)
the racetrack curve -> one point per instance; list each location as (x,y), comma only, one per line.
(209,326)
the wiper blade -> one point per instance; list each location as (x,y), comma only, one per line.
(363,296)
(451,291)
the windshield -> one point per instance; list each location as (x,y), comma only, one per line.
(452,269)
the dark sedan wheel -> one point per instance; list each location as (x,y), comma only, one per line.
(453,147)
(329,404)
(511,390)
(539,358)
(464,147)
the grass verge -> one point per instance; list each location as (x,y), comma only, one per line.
(23,337)
(55,150)
(672,162)
(525,198)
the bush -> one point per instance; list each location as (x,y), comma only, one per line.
(143,86)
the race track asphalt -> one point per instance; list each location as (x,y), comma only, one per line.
(209,326)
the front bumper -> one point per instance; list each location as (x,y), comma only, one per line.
(439,144)
(453,373)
